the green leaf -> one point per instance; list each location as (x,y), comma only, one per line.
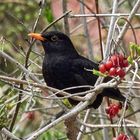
(138,50)
(67,103)
(49,15)
(132,47)
(130,60)
(98,73)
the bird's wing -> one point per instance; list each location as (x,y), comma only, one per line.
(79,68)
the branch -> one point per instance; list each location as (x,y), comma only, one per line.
(131,15)
(111,125)
(3,54)
(59,18)
(90,97)
(82,128)
(77,109)
(66,23)
(9,134)
(101,15)
(90,50)
(41,86)
(111,28)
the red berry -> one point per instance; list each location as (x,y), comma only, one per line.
(112,71)
(116,109)
(108,64)
(120,72)
(122,136)
(121,58)
(125,63)
(114,60)
(30,115)
(132,138)
(112,110)
(102,68)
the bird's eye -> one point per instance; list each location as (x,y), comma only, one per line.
(54,38)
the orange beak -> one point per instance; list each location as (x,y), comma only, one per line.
(36,36)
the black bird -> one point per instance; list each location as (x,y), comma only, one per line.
(63,67)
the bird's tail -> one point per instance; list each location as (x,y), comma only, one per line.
(113,93)
(108,92)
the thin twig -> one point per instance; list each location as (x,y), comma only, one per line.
(131,15)
(110,125)
(41,86)
(122,121)
(59,18)
(14,61)
(99,28)
(66,23)
(101,15)
(90,50)
(9,134)
(111,28)
(39,15)
(34,28)
(82,126)
(18,21)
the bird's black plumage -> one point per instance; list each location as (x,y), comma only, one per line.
(63,67)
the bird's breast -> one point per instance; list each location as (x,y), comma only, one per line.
(57,72)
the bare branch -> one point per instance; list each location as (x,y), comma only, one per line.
(9,134)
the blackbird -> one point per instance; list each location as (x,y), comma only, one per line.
(63,67)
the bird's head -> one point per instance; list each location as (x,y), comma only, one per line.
(55,42)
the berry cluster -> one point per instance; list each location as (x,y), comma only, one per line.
(113,109)
(122,136)
(114,66)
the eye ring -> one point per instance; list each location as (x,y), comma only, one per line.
(54,38)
